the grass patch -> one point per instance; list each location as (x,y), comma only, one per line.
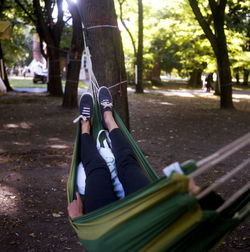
(166,85)
(241,87)
(25,82)
(28,82)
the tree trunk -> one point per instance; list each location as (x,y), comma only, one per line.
(104,41)
(71,88)
(5,76)
(219,45)
(245,77)
(139,86)
(156,74)
(217,88)
(237,77)
(195,79)
(50,32)
(54,74)
(74,65)
(223,64)
(224,82)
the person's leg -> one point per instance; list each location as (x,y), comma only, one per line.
(129,172)
(99,189)
(128,169)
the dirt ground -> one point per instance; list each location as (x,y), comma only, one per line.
(36,145)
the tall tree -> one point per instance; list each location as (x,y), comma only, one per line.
(75,56)
(3,73)
(3,6)
(138,52)
(50,31)
(218,42)
(139,86)
(171,45)
(121,2)
(104,40)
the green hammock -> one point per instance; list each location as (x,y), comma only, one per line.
(161,217)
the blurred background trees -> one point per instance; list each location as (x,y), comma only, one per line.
(173,43)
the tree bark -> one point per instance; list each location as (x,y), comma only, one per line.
(139,86)
(195,79)
(245,77)
(221,52)
(75,56)
(104,41)
(219,45)
(237,77)
(5,76)
(156,74)
(54,75)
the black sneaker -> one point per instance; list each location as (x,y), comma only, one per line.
(85,108)
(105,102)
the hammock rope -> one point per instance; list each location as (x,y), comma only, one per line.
(223,179)
(221,154)
(235,196)
(215,158)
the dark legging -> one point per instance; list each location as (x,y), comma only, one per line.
(99,188)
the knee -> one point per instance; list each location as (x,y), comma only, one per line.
(125,157)
(95,166)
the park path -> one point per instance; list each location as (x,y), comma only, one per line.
(172,92)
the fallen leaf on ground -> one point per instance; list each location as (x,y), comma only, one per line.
(56,215)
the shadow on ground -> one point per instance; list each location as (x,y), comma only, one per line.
(36,145)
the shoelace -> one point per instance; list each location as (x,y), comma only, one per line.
(85,115)
(106,104)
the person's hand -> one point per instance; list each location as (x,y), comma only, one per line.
(75,208)
(193,188)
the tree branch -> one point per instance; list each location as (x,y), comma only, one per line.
(41,26)
(222,6)
(60,23)
(204,25)
(218,11)
(125,26)
(25,11)
(213,5)
(60,11)
(49,10)
(68,19)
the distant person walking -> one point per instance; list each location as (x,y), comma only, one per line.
(209,80)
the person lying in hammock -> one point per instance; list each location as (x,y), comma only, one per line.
(99,190)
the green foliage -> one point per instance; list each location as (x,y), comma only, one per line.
(238,26)
(182,45)
(17,50)
(174,38)
(238,17)
(28,82)
(66,37)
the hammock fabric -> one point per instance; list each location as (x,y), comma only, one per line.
(161,217)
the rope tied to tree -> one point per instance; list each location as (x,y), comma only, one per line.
(102,26)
